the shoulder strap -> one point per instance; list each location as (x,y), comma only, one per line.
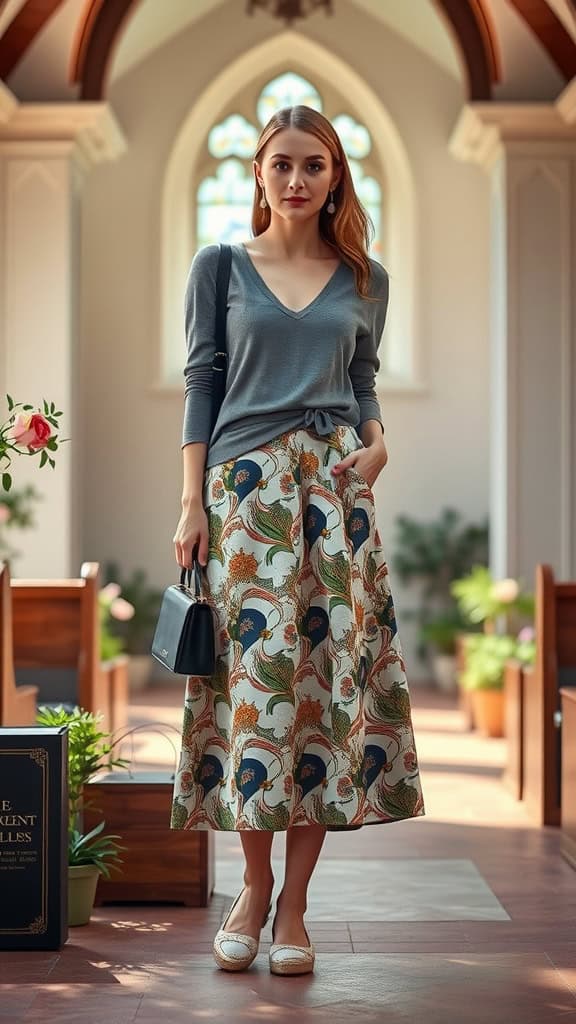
(222,279)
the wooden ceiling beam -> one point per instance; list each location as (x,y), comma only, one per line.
(22,31)
(96,39)
(551,33)
(474,35)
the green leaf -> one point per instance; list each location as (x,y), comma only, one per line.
(224,818)
(43,458)
(276,672)
(10,403)
(6,481)
(341,723)
(279,698)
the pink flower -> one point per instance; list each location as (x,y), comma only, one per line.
(505,590)
(121,609)
(526,635)
(110,591)
(30,431)
(4,513)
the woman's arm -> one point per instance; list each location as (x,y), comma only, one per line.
(194,461)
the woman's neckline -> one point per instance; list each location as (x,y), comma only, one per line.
(296,313)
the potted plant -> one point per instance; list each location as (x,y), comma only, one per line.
(136,631)
(486,602)
(486,657)
(92,853)
(483,600)
(440,634)
(433,554)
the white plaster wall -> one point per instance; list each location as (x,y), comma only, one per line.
(437,440)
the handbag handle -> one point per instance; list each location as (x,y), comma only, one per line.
(186,579)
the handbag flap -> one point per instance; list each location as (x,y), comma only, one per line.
(176,604)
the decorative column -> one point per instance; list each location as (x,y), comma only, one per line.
(46,150)
(529,151)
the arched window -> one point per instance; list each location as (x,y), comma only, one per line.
(225,191)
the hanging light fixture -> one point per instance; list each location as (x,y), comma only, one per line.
(289,10)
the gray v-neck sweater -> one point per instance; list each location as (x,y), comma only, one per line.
(314,367)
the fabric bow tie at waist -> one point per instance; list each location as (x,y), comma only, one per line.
(320,420)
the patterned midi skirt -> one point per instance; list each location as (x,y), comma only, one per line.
(307,717)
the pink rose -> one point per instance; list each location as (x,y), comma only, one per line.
(30,431)
(4,513)
(110,592)
(121,609)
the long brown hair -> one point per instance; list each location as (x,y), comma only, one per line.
(347,230)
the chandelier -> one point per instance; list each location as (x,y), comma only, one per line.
(289,10)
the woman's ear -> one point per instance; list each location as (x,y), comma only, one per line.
(257,173)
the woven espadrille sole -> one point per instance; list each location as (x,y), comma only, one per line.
(302,963)
(234,963)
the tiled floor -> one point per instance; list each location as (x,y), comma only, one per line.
(466,915)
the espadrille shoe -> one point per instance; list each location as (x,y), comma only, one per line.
(234,951)
(287,959)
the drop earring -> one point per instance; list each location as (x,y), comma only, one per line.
(263,202)
(331,207)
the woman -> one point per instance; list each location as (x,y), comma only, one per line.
(305,725)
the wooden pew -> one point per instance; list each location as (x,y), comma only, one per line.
(17,703)
(568,833)
(555,667)
(56,626)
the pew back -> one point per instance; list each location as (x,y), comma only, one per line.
(56,626)
(555,666)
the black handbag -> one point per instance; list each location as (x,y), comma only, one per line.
(220,361)
(184,637)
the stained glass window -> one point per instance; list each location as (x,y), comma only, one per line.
(224,204)
(287,90)
(224,197)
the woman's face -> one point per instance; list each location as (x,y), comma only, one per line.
(296,165)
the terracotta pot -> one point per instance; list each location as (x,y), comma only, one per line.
(488,708)
(464,697)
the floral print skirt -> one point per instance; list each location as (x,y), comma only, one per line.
(307,717)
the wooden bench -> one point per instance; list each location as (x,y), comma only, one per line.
(56,630)
(554,668)
(568,785)
(17,703)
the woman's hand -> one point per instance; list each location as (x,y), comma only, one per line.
(367,462)
(191,533)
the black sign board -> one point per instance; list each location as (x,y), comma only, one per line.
(33,837)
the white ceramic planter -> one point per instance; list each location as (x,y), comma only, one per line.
(445,672)
(139,670)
